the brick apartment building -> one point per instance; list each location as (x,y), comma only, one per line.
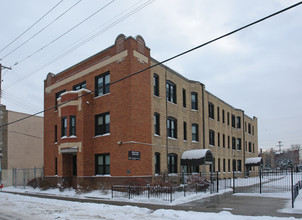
(108,129)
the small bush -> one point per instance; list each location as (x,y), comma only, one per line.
(198,183)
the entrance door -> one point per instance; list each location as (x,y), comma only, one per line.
(74,165)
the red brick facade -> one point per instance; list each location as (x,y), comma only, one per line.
(129,105)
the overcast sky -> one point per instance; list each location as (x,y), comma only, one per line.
(257,70)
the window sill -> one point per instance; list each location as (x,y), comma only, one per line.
(172,102)
(156,135)
(211,145)
(102,135)
(170,138)
(195,141)
(194,110)
(101,95)
(103,175)
(67,137)
(156,96)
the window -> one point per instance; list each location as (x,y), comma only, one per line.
(228,118)
(238,143)
(155,84)
(64,127)
(56,166)
(102,124)
(185,131)
(58,95)
(72,126)
(56,133)
(239,165)
(102,84)
(172,127)
(172,163)
(218,164)
(223,165)
(223,140)
(218,113)
(211,110)
(194,101)
(233,121)
(234,165)
(212,137)
(156,124)
(250,147)
(229,165)
(228,142)
(195,136)
(102,164)
(184,98)
(171,92)
(79,86)
(233,143)
(249,128)
(238,121)
(157,162)
(223,121)
(218,139)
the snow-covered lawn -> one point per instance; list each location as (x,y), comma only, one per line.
(38,208)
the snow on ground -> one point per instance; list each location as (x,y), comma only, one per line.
(178,197)
(38,208)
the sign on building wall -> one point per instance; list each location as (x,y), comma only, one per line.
(134,155)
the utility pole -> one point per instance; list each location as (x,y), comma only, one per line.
(2,67)
(280,145)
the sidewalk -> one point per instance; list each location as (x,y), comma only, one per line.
(236,204)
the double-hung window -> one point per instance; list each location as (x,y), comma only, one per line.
(233,143)
(172,163)
(238,122)
(212,137)
(184,98)
(238,143)
(195,136)
(194,101)
(185,130)
(172,127)
(211,110)
(102,164)
(233,121)
(102,84)
(155,84)
(58,95)
(157,162)
(171,92)
(79,86)
(156,124)
(72,125)
(64,127)
(102,124)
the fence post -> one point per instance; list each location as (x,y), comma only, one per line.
(234,181)
(292,188)
(217,182)
(171,194)
(148,192)
(112,191)
(24,171)
(129,191)
(260,181)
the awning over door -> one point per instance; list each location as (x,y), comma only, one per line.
(197,157)
(253,161)
(67,150)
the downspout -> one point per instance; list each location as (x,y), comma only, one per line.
(203,121)
(167,148)
(244,145)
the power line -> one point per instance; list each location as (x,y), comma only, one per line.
(160,63)
(81,43)
(66,32)
(28,135)
(31,26)
(40,31)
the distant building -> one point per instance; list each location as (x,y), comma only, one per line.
(21,144)
(273,159)
(111,127)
